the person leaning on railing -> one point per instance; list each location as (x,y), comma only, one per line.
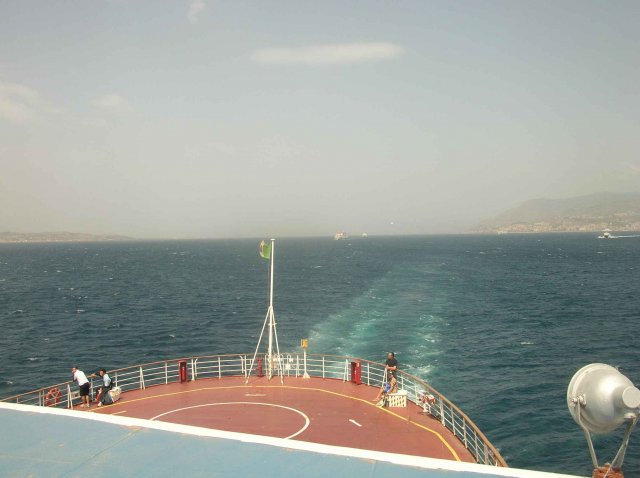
(80,377)
(391,365)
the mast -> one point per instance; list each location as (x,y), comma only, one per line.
(272,320)
(274,362)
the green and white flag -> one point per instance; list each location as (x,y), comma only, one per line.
(265,250)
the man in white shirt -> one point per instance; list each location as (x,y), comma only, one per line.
(83,383)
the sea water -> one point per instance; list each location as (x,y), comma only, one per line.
(498,324)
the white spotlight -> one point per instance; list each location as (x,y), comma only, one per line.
(600,399)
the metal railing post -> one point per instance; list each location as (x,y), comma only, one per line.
(219,368)
(141,379)
(166,373)
(323,366)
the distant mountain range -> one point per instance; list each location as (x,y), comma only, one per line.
(58,237)
(591,213)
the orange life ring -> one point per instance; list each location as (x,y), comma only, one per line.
(53,397)
(428,398)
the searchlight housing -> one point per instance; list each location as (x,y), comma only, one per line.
(600,399)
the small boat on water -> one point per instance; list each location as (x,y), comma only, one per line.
(606,234)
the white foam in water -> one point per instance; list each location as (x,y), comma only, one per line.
(420,372)
(373,323)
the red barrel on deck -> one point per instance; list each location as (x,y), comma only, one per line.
(182,369)
(356,372)
(260,371)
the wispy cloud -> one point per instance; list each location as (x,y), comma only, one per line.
(112,103)
(195,9)
(329,54)
(18,103)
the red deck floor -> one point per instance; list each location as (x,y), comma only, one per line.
(316,410)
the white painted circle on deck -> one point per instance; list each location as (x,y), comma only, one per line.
(306,418)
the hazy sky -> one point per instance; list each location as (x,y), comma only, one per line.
(275,118)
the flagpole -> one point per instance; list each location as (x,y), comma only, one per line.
(268,252)
(273,253)
(271,315)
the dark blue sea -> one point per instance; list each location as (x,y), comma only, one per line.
(499,324)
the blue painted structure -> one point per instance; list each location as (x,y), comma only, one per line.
(60,443)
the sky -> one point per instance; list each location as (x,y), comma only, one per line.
(205,119)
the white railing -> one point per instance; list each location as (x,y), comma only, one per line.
(65,395)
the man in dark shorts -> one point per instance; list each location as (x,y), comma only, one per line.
(80,377)
(391,365)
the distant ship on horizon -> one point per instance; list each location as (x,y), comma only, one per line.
(340,235)
(606,234)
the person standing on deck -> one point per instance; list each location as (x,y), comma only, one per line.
(80,377)
(391,365)
(107,384)
(390,381)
